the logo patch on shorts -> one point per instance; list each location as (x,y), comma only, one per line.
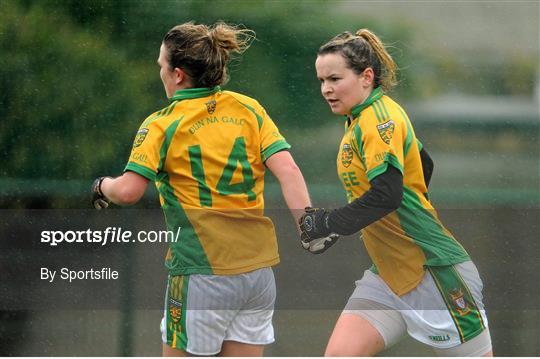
(211,106)
(175,310)
(386,131)
(458,299)
(139,138)
(346,155)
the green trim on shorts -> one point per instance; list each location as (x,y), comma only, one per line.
(470,295)
(184,333)
(176,312)
(459,301)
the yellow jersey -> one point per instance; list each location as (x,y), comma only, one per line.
(403,243)
(206,154)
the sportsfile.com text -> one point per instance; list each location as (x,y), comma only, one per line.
(109,235)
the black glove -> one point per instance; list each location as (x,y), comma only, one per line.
(314,223)
(315,235)
(98,199)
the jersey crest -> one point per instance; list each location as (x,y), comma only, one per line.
(386,131)
(346,155)
(175,310)
(139,138)
(211,106)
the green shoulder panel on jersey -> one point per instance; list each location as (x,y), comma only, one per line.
(382,105)
(188,254)
(410,132)
(428,233)
(148,172)
(380,111)
(171,108)
(161,113)
(169,133)
(409,137)
(382,114)
(273,148)
(243,100)
(259,117)
(359,147)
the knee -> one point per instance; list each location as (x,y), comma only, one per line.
(354,336)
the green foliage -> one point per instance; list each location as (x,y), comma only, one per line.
(77,77)
(477,74)
(70,102)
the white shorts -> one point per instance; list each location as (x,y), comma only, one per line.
(445,310)
(202,311)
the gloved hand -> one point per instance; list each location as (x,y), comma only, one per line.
(314,223)
(98,199)
(319,245)
(315,233)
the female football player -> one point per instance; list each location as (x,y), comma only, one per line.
(422,281)
(207,152)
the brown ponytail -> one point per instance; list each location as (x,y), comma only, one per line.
(389,68)
(363,50)
(203,52)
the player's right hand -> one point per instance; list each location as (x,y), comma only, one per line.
(98,199)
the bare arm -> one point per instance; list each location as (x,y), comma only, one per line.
(126,189)
(292,182)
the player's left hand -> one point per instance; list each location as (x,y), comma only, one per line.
(314,224)
(98,199)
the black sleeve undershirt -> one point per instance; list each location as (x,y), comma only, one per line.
(384,197)
(427,166)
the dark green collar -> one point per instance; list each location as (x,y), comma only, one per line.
(373,96)
(194,93)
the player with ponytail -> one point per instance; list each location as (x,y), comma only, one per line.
(207,152)
(422,281)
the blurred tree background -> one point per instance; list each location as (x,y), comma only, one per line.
(78,77)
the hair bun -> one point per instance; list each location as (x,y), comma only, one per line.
(204,52)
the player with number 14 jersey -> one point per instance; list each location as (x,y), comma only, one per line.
(206,154)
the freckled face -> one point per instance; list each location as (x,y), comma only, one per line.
(341,87)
